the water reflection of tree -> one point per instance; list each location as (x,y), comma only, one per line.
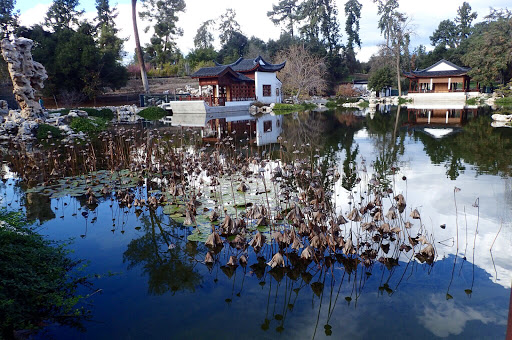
(165,256)
(479,144)
(389,140)
(38,207)
(321,135)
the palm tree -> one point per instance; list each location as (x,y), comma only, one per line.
(143,74)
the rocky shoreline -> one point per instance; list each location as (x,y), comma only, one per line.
(13,126)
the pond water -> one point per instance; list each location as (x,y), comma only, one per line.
(151,279)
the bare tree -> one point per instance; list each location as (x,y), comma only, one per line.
(303,74)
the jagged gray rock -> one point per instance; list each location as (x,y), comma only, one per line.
(26,74)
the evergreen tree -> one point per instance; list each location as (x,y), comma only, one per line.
(464,19)
(446,34)
(386,10)
(488,52)
(204,36)
(164,14)
(284,13)
(106,15)
(108,40)
(74,62)
(63,14)
(380,79)
(234,48)
(353,14)
(8,18)
(394,25)
(228,26)
(320,18)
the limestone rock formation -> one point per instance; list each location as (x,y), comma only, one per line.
(27,75)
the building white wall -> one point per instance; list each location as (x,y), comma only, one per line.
(267,78)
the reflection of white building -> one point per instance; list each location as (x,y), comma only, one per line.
(268,129)
(437,119)
(260,129)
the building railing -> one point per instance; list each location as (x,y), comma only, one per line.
(157,99)
(450,91)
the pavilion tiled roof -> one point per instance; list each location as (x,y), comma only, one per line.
(216,71)
(458,71)
(256,64)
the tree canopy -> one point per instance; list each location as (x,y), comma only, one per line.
(8,17)
(63,14)
(489,52)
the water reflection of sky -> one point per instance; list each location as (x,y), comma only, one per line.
(423,302)
(429,190)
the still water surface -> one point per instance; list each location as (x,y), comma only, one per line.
(155,285)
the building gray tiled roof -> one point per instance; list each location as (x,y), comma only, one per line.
(244,65)
(458,71)
(216,71)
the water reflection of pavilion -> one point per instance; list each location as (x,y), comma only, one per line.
(259,130)
(432,117)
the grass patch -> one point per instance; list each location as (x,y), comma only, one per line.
(44,130)
(88,125)
(153,113)
(506,101)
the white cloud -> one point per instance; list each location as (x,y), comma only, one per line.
(444,318)
(34,15)
(254,21)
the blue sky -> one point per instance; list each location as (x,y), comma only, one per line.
(252,17)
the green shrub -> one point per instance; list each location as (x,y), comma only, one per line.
(402,100)
(90,124)
(364,104)
(153,113)
(37,278)
(331,104)
(44,129)
(507,101)
(474,101)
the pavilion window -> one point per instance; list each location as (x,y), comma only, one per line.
(267,90)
